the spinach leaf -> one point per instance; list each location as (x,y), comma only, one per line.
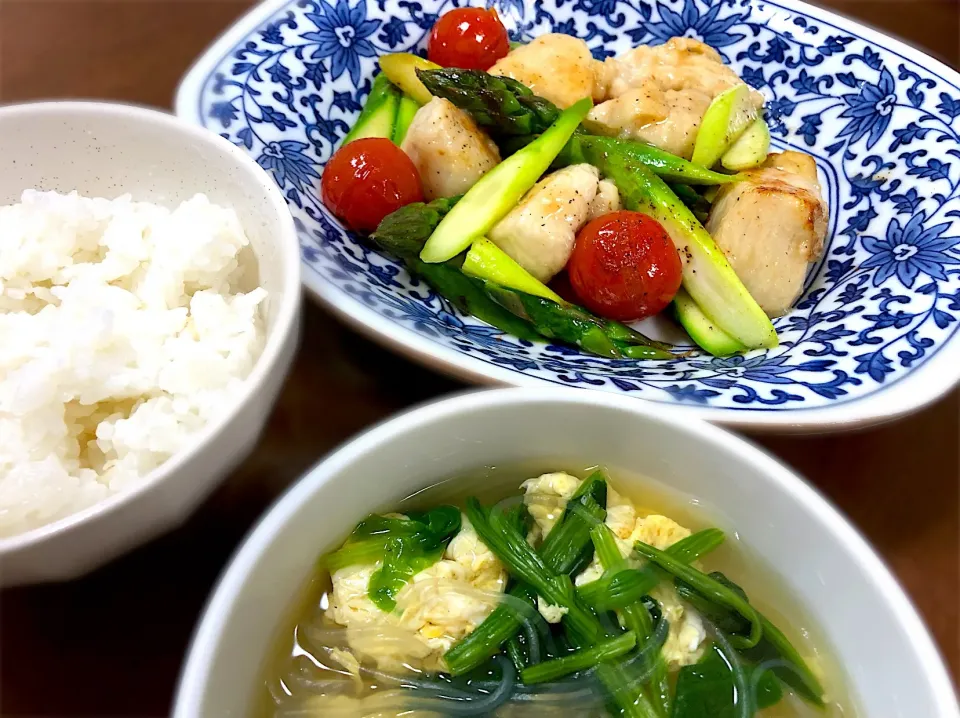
(728,621)
(405,546)
(707,689)
(401,561)
(774,648)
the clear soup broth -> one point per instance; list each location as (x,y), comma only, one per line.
(320,668)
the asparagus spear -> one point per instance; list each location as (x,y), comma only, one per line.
(470,296)
(498,191)
(508,109)
(707,276)
(575,325)
(526,316)
(588,148)
(498,103)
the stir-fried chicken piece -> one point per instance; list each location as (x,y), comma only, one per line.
(771,227)
(668,119)
(660,94)
(680,64)
(607,200)
(449,150)
(540,231)
(557,67)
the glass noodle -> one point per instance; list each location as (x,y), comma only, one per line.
(310,673)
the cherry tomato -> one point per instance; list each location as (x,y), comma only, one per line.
(368,179)
(624,266)
(470,38)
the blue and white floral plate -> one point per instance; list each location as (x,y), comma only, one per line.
(875,333)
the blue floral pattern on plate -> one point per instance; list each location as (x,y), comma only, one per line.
(883,129)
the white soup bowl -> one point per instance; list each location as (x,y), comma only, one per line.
(890,663)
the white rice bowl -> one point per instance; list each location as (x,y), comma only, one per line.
(123,331)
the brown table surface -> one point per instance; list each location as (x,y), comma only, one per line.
(111,644)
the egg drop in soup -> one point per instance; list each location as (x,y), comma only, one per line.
(562,592)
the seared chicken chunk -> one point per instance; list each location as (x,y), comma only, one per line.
(668,119)
(540,231)
(606,200)
(448,149)
(660,94)
(557,67)
(680,64)
(771,227)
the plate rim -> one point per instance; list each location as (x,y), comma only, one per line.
(914,391)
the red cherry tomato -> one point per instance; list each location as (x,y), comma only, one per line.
(368,179)
(624,266)
(470,38)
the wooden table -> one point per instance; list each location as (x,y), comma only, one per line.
(111,644)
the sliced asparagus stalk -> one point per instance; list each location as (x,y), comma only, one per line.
(486,260)
(401,69)
(498,191)
(406,109)
(727,117)
(379,114)
(707,276)
(705,333)
(751,149)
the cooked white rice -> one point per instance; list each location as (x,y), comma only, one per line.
(122,333)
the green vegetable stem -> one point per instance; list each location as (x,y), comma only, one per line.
(708,587)
(774,648)
(563,551)
(581,660)
(519,558)
(635,617)
(526,316)
(629,585)
(598,151)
